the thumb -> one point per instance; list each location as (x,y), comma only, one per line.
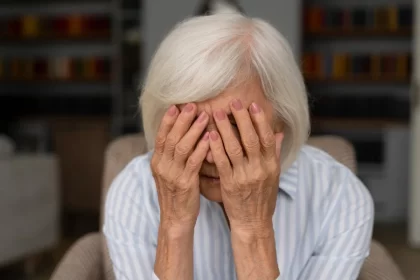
(279,141)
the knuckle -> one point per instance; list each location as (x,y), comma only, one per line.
(230,190)
(242,180)
(260,175)
(235,150)
(160,169)
(193,163)
(154,161)
(181,150)
(160,140)
(183,183)
(171,140)
(224,163)
(252,141)
(185,119)
(268,139)
(273,168)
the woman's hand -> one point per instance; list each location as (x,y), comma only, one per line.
(249,168)
(249,175)
(177,159)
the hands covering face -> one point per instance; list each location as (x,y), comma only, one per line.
(248,166)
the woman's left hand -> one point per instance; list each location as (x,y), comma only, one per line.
(248,167)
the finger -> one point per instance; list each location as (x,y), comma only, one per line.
(249,136)
(279,142)
(195,160)
(264,131)
(187,143)
(165,127)
(230,141)
(220,158)
(180,127)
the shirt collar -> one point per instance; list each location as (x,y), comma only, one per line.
(289,180)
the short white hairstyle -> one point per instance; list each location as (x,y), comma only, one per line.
(204,55)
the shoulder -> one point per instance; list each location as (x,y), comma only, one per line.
(318,164)
(134,185)
(331,184)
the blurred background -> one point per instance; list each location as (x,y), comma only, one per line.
(69,77)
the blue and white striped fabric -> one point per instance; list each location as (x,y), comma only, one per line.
(323,223)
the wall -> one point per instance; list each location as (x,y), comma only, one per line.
(161,15)
(414,214)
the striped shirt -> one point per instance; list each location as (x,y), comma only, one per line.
(323,223)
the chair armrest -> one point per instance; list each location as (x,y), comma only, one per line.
(380,265)
(83,261)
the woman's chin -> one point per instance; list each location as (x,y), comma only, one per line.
(210,189)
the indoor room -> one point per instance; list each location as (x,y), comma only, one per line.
(93,92)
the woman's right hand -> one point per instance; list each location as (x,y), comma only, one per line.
(177,159)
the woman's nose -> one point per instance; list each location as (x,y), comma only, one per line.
(209,157)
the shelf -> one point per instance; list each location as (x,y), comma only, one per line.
(356,123)
(106,36)
(358,80)
(46,81)
(31,106)
(56,8)
(340,34)
(131,14)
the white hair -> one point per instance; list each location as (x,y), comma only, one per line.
(204,55)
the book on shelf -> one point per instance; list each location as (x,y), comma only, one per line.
(314,18)
(360,66)
(54,69)
(357,66)
(340,66)
(402,66)
(390,18)
(312,65)
(55,27)
(360,18)
(378,106)
(30,26)
(75,25)
(405,16)
(381,21)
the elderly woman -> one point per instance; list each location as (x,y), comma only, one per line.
(229,190)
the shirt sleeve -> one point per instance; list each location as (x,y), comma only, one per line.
(129,227)
(346,235)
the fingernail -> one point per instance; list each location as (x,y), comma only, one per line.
(214,135)
(203,116)
(237,104)
(206,136)
(172,110)
(255,109)
(188,108)
(220,115)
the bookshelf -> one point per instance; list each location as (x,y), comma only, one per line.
(351,45)
(356,123)
(391,17)
(358,33)
(71,67)
(357,65)
(56,46)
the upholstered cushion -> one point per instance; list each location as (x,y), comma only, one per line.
(83,261)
